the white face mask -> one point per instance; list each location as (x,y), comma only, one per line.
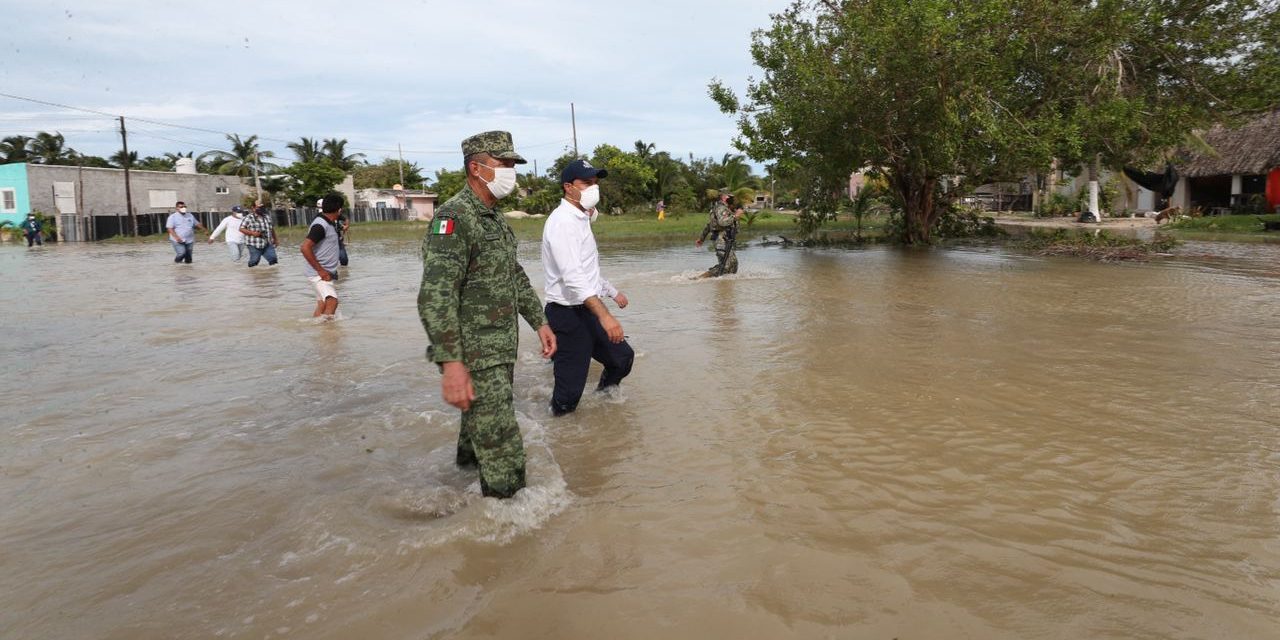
(503,183)
(182,209)
(589,197)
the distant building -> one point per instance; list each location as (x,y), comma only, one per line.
(1244,166)
(89,203)
(417,204)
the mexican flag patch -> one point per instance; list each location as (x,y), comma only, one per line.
(443,227)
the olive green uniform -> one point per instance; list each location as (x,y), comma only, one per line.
(723,225)
(472,288)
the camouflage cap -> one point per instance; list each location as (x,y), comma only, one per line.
(495,143)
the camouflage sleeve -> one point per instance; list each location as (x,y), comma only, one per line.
(724,217)
(530,306)
(444,268)
(706,230)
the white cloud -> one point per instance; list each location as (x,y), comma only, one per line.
(423,74)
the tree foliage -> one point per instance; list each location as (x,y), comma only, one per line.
(447,183)
(240,160)
(925,90)
(310,181)
(335,151)
(386,174)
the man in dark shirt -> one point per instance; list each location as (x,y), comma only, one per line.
(320,250)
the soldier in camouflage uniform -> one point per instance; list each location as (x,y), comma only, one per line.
(723,227)
(472,289)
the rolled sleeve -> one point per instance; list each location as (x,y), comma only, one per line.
(607,289)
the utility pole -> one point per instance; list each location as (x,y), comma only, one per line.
(401,152)
(128,192)
(573,118)
(535,167)
(257,182)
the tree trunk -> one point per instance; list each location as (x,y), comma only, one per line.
(1093,190)
(1035,191)
(919,213)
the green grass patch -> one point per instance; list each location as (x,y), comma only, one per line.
(1239,225)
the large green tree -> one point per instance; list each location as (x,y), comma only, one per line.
(311,181)
(630,180)
(448,183)
(386,174)
(927,90)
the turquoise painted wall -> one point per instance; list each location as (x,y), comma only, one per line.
(14,176)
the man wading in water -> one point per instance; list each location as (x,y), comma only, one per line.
(723,227)
(320,250)
(472,289)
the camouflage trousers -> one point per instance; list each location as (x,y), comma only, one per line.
(489,436)
(730,263)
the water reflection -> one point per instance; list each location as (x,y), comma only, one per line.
(924,443)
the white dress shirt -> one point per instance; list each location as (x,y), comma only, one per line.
(231,225)
(570,258)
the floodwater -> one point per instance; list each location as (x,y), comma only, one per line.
(878,443)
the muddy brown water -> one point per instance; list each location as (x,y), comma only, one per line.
(947,443)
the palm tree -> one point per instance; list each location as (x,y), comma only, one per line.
(240,160)
(152,163)
(15,149)
(666,174)
(119,159)
(336,151)
(50,148)
(305,149)
(644,150)
(735,173)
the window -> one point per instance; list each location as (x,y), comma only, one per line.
(8,201)
(162,198)
(221,190)
(380,205)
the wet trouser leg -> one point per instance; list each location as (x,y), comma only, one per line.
(342,254)
(258,253)
(182,251)
(235,250)
(574,346)
(579,338)
(491,429)
(616,357)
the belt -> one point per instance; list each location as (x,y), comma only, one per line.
(568,306)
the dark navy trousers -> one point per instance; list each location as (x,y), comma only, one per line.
(579,339)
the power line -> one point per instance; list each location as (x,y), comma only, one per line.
(260,137)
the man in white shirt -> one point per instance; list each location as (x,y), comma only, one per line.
(235,239)
(575,309)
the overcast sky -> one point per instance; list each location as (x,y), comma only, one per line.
(421,73)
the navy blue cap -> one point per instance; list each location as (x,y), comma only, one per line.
(237,209)
(580,170)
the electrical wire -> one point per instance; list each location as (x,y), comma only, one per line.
(263,138)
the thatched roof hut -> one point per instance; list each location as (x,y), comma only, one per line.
(1251,149)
